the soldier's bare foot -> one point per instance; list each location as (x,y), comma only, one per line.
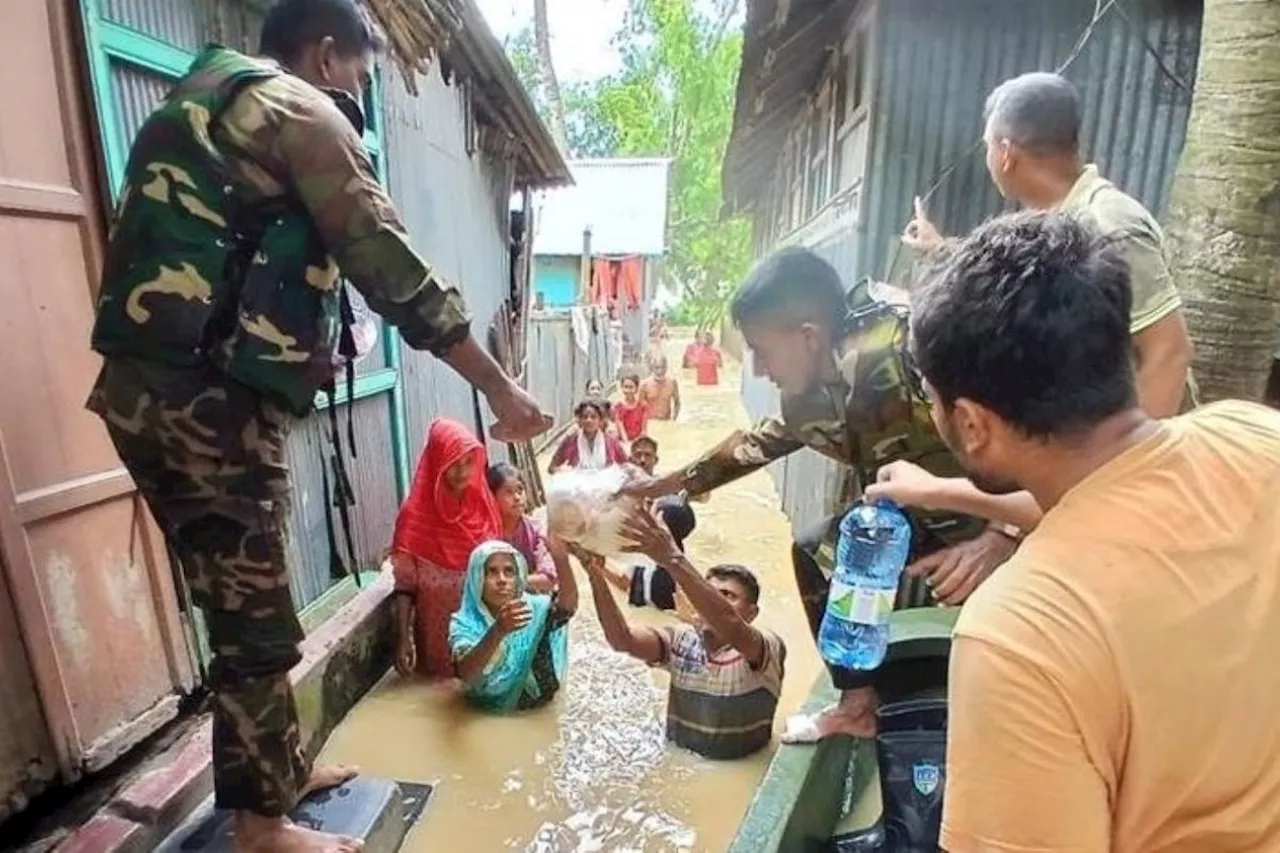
(258,834)
(327,776)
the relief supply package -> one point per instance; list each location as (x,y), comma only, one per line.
(584,507)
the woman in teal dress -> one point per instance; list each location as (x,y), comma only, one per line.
(510,646)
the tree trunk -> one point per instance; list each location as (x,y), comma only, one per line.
(1224,219)
(547,71)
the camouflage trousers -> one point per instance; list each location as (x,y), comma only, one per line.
(207,455)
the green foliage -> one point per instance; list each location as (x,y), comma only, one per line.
(673,97)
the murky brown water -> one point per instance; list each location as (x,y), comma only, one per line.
(592,772)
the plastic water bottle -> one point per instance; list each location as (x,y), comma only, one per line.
(870,556)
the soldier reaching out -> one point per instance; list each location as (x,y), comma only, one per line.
(247,193)
(846,393)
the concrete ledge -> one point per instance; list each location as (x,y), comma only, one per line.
(808,788)
(341,661)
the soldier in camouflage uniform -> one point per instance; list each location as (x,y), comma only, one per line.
(247,194)
(848,391)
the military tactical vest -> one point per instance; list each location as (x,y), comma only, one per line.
(888,414)
(196,274)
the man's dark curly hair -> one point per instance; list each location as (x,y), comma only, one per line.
(1029,316)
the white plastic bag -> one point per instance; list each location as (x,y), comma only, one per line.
(584,507)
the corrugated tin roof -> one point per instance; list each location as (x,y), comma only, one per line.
(622,201)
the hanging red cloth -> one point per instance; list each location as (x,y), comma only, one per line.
(618,281)
(631,280)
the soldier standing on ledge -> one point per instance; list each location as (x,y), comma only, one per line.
(846,393)
(247,194)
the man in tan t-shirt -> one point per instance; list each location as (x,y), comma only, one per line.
(1033,154)
(1113,687)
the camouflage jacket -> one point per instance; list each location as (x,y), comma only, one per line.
(873,414)
(248,193)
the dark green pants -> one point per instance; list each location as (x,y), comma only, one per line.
(207,454)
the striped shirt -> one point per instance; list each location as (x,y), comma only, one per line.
(719,705)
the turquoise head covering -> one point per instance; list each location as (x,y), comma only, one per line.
(509,674)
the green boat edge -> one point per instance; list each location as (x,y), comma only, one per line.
(808,789)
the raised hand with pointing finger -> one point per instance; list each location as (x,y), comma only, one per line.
(920,233)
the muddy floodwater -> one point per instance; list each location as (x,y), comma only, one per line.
(592,772)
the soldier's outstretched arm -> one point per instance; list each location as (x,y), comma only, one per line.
(742,452)
(324,160)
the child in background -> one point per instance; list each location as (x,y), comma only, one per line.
(522,530)
(632,413)
(510,646)
(644,581)
(661,392)
(595,391)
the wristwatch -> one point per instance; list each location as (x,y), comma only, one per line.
(1011,530)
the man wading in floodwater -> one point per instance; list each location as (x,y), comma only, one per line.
(246,192)
(847,394)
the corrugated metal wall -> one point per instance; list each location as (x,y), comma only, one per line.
(559,369)
(936,63)
(373,479)
(137,92)
(456,206)
(188,24)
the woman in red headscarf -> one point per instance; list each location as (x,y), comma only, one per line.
(449,511)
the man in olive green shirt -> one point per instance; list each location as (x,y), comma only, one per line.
(1033,154)
(1032,136)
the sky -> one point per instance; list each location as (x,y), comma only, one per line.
(581,32)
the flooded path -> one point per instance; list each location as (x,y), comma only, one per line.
(592,771)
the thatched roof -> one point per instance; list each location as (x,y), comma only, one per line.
(454,33)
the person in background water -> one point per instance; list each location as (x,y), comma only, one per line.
(707,360)
(661,392)
(632,413)
(1032,135)
(588,447)
(1126,654)
(691,351)
(726,673)
(449,511)
(523,530)
(510,645)
(198,396)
